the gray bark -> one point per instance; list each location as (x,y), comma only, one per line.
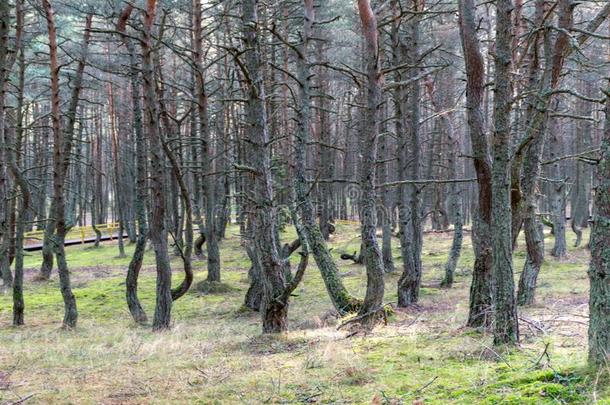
(480,290)
(410,210)
(506,328)
(599,270)
(373,260)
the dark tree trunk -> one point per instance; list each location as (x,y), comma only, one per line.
(14,159)
(411,223)
(5,65)
(209,181)
(480,290)
(158,231)
(183,248)
(370,311)
(254,295)
(274,306)
(506,328)
(131,281)
(314,237)
(537,120)
(62,148)
(599,270)
(47,249)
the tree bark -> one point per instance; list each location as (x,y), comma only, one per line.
(411,223)
(526,209)
(599,269)
(158,231)
(211,234)
(506,328)
(131,281)
(274,306)
(455,199)
(480,290)
(62,147)
(14,160)
(370,311)
(5,68)
(314,238)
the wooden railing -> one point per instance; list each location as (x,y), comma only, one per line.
(79,232)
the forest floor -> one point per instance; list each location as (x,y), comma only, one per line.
(215,353)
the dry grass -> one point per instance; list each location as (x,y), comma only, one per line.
(215,354)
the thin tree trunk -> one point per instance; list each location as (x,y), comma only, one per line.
(119,198)
(411,223)
(133,271)
(211,236)
(62,147)
(340,297)
(373,260)
(24,199)
(158,231)
(455,199)
(5,68)
(599,270)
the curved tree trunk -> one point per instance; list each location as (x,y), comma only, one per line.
(274,306)
(62,148)
(158,231)
(340,297)
(480,290)
(131,281)
(373,260)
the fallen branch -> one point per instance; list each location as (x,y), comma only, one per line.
(22,400)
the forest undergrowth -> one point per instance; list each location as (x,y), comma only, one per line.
(215,354)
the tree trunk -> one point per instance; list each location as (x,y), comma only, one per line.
(314,238)
(455,199)
(373,260)
(62,148)
(411,223)
(209,182)
(387,203)
(599,270)
(506,328)
(274,306)
(119,197)
(480,290)
(14,159)
(5,64)
(131,281)
(158,231)
(581,194)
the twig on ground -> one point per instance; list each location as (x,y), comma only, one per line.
(429,383)
(535,324)
(499,356)
(545,352)
(22,400)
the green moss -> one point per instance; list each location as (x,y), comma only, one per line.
(214,287)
